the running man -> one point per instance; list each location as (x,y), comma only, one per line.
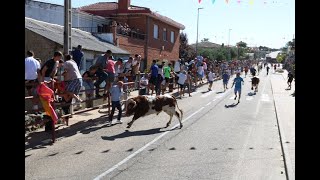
(268,70)
(237,88)
(225,80)
(290,79)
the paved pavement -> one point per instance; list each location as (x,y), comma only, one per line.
(220,140)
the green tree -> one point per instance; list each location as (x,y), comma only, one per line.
(185,50)
(242,44)
(205,40)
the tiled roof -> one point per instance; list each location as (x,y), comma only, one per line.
(206,44)
(107,6)
(112,6)
(54,32)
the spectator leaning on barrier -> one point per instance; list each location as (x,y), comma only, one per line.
(32,68)
(88,79)
(136,66)
(118,67)
(110,71)
(72,78)
(100,73)
(128,65)
(143,84)
(50,67)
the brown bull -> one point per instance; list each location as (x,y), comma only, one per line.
(145,105)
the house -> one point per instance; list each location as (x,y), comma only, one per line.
(272,57)
(54,13)
(206,44)
(45,38)
(139,30)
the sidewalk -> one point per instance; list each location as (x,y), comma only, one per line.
(285,109)
(82,123)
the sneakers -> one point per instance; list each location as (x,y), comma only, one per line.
(235,97)
(108,123)
(119,122)
(98,96)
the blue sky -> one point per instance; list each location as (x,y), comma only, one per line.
(265,22)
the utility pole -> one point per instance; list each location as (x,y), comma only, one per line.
(229,45)
(67,48)
(197,32)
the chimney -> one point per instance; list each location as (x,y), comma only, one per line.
(123,4)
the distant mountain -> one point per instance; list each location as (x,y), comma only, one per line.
(206,44)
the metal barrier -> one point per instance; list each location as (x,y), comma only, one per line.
(66,116)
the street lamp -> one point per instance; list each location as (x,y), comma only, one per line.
(197,32)
(229,45)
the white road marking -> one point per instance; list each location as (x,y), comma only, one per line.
(258,105)
(208,104)
(249,98)
(143,148)
(214,100)
(265,97)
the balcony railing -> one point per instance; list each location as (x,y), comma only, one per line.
(132,34)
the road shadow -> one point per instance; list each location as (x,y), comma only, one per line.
(220,92)
(252,93)
(231,105)
(128,133)
(41,139)
(203,92)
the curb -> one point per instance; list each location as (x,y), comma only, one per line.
(286,158)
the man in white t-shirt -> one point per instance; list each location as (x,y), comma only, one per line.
(177,69)
(32,67)
(211,77)
(182,79)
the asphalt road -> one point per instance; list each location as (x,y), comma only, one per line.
(220,140)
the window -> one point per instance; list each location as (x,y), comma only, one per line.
(172,37)
(155,31)
(164,34)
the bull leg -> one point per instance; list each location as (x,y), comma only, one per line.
(131,122)
(179,118)
(168,124)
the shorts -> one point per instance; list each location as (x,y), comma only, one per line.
(181,86)
(225,82)
(74,86)
(290,80)
(237,90)
(28,87)
(89,86)
(167,79)
(210,82)
(153,80)
(110,78)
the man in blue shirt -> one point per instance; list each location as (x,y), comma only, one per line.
(237,88)
(116,94)
(225,80)
(77,55)
(154,76)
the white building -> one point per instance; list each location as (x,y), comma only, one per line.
(53,13)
